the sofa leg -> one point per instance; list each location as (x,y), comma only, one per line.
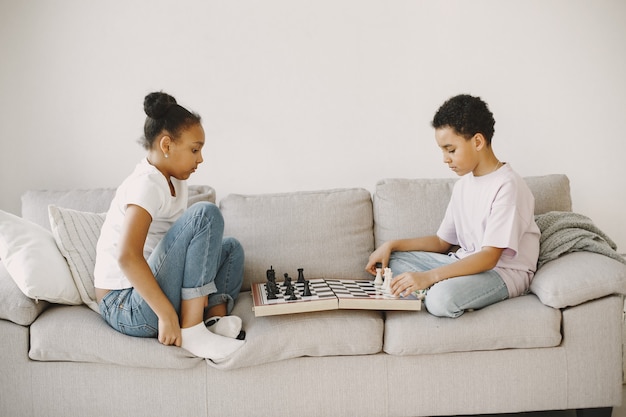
(594,412)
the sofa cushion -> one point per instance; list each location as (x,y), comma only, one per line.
(77,334)
(76,234)
(406,208)
(327,233)
(35,202)
(578,277)
(522,322)
(323,333)
(33,260)
(14,305)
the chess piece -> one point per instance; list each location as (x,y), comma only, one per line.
(287,282)
(307,290)
(271,274)
(271,290)
(378,282)
(300,275)
(387,279)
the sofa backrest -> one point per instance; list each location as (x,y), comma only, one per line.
(406,208)
(97,200)
(327,233)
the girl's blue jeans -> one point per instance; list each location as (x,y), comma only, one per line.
(451,297)
(192,260)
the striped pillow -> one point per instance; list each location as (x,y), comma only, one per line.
(76,234)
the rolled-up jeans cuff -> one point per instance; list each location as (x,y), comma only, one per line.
(217,299)
(191,293)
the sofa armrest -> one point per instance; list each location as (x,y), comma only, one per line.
(578,277)
(14,305)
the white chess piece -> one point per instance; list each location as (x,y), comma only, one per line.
(387,280)
(378,282)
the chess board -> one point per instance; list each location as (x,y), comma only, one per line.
(364,295)
(329,295)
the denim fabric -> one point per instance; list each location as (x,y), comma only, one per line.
(451,297)
(192,260)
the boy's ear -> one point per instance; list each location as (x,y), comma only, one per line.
(479,141)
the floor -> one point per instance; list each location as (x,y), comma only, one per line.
(617,411)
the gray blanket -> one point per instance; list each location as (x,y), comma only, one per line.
(564,232)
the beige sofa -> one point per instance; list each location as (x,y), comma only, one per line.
(559,347)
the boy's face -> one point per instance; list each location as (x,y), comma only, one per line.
(460,154)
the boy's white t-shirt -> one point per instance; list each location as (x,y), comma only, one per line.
(495,210)
(148,188)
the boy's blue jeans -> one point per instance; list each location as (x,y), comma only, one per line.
(451,297)
(192,260)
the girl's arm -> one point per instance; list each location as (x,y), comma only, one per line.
(425,244)
(134,266)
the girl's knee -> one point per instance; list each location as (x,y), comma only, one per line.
(232,246)
(207,210)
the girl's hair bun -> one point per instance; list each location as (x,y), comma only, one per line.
(157,104)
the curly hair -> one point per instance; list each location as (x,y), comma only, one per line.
(467,115)
(164,114)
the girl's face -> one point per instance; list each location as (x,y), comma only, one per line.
(185,154)
(460,154)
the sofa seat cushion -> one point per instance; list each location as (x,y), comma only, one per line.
(327,233)
(522,322)
(78,334)
(323,333)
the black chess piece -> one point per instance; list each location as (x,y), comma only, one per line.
(271,274)
(301,275)
(287,282)
(271,290)
(307,291)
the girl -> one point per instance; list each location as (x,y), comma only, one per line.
(162,269)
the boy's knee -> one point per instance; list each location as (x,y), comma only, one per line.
(441,304)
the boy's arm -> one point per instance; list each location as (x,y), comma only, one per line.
(484,260)
(425,244)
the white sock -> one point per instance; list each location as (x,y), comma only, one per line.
(229,326)
(205,344)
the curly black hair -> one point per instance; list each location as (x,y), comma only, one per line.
(467,115)
(164,114)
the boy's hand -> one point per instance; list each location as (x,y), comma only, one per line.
(408,282)
(381,255)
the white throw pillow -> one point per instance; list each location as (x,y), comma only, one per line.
(76,234)
(33,260)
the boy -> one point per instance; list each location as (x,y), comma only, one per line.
(490,216)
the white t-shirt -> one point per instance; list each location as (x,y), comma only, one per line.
(146,187)
(495,210)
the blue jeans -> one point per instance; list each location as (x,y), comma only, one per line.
(192,260)
(451,297)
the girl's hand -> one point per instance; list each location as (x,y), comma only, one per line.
(169,332)
(408,282)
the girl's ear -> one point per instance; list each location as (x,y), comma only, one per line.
(164,144)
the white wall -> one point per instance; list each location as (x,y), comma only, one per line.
(300,95)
